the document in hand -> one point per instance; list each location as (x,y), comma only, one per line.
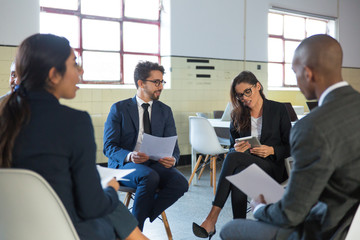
(106,174)
(253,181)
(157,147)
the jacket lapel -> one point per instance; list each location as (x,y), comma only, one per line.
(134,113)
(266,120)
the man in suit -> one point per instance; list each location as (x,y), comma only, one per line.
(158,183)
(13,81)
(324,187)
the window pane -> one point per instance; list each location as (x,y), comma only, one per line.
(275,50)
(101,66)
(290,77)
(144,9)
(294,27)
(275,24)
(61,25)
(315,27)
(290,47)
(275,75)
(105,8)
(101,35)
(130,61)
(139,37)
(64,4)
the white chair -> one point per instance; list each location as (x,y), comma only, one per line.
(288,166)
(30,208)
(203,140)
(354,231)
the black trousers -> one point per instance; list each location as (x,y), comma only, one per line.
(234,163)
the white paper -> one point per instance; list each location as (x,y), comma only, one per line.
(157,147)
(253,181)
(106,174)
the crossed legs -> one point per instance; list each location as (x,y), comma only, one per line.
(234,162)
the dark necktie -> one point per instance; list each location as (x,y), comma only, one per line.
(146,118)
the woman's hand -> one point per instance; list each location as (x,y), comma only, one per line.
(242,146)
(114,184)
(262,151)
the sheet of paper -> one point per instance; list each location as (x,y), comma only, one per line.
(157,147)
(253,181)
(106,174)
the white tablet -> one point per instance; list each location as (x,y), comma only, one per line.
(254,141)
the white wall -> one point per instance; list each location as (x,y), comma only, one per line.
(350,32)
(207,28)
(215,29)
(19,19)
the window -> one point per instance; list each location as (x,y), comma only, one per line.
(110,36)
(286,31)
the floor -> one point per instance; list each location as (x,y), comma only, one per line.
(192,207)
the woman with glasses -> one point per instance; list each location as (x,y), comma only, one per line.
(253,115)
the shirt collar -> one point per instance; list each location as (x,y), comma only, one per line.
(140,101)
(330,89)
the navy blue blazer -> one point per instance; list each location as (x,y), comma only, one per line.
(58,143)
(275,132)
(122,129)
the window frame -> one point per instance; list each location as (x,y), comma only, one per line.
(282,37)
(121,21)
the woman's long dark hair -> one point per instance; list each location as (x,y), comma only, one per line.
(241,114)
(37,54)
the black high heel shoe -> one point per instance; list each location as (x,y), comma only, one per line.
(201,232)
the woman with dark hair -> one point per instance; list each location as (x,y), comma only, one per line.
(40,134)
(252,115)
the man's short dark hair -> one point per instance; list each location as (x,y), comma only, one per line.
(143,69)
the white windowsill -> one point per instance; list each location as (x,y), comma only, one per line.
(283,89)
(105,86)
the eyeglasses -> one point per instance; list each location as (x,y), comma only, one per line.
(247,93)
(156,82)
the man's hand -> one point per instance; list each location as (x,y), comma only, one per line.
(167,162)
(262,151)
(256,201)
(138,157)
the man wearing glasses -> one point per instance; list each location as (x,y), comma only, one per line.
(158,184)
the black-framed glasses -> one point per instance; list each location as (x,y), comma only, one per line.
(247,93)
(156,82)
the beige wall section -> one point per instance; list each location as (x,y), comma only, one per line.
(188,94)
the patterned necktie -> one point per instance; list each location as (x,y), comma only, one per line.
(146,118)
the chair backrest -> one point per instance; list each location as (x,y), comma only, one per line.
(218,113)
(226,116)
(312,104)
(30,208)
(354,231)
(291,111)
(203,137)
(201,114)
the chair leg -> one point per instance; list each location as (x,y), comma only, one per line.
(211,171)
(127,199)
(166,225)
(203,167)
(214,173)
(195,169)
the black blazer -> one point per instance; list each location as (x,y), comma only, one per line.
(58,143)
(275,132)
